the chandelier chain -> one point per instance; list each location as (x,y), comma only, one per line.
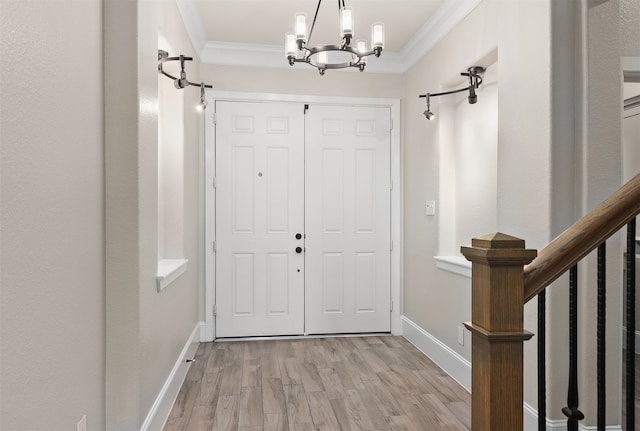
(313,24)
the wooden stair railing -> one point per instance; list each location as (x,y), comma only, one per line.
(571,246)
(502,284)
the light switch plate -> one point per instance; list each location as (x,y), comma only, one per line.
(430,208)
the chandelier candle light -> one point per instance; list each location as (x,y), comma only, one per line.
(341,56)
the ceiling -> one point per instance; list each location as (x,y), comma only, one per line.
(228,20)
(250,32)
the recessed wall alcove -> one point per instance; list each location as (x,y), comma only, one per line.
(171,261)
(468,166)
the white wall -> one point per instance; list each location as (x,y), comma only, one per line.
(609,31)
(52,318)
(558,156)
(146,329)
(436,300)
(303,79)
(468,145)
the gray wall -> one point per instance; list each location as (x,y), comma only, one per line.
(82,327)
(52,317)
(146,329)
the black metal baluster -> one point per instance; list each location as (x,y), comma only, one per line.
(601,335)
(542,384)
(571,411)
(631,324)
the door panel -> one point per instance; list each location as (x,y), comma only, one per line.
(347,183)
(267,190)
(260,208)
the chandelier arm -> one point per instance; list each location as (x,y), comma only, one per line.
(309,53)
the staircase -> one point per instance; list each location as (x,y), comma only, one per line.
(506,275)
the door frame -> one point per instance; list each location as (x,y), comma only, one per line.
(210,194)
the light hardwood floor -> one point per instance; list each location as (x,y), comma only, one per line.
(359,383)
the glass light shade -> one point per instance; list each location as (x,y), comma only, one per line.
(201,106)
(323,57)
(301,26)
(377,35)
(346,21)
(290,45)
(361,46)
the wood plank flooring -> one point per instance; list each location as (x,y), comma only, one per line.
(359,383)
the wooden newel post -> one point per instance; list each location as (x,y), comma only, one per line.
(497,310)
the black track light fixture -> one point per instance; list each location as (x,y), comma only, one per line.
(181,82)
(474,74)
(428,114)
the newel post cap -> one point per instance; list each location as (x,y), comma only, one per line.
(500,249)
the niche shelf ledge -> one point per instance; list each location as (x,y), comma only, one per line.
(168,271)
(456,264)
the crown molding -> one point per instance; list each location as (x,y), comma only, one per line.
(272,56)
(445,19)
(450,14)
(193,24)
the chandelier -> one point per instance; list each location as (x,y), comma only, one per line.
(341,56)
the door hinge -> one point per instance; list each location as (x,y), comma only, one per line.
(391,308)
(215,248)
(306,107)
(391,125)
(391,246)
(215,182)
(215,310)
(215,118)
(391,185)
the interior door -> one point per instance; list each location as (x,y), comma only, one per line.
(348,243)
(259,219)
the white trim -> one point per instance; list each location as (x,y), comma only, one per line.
(561,425)
(459,369)
(161,408)
(396,193)
(168,271)
(193,24)
(624,337)
(209,220)
(595,428)
(444,357)
(445,19)
(531,419)
(456,264)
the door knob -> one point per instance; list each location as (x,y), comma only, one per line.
(298,249)
(298,236)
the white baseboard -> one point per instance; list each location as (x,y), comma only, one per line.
(203,332)
(531,419)
(624,337)
(460,370)
(450,361)
(561,425)
(161,408)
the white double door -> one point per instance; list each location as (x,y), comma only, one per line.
(302,219)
